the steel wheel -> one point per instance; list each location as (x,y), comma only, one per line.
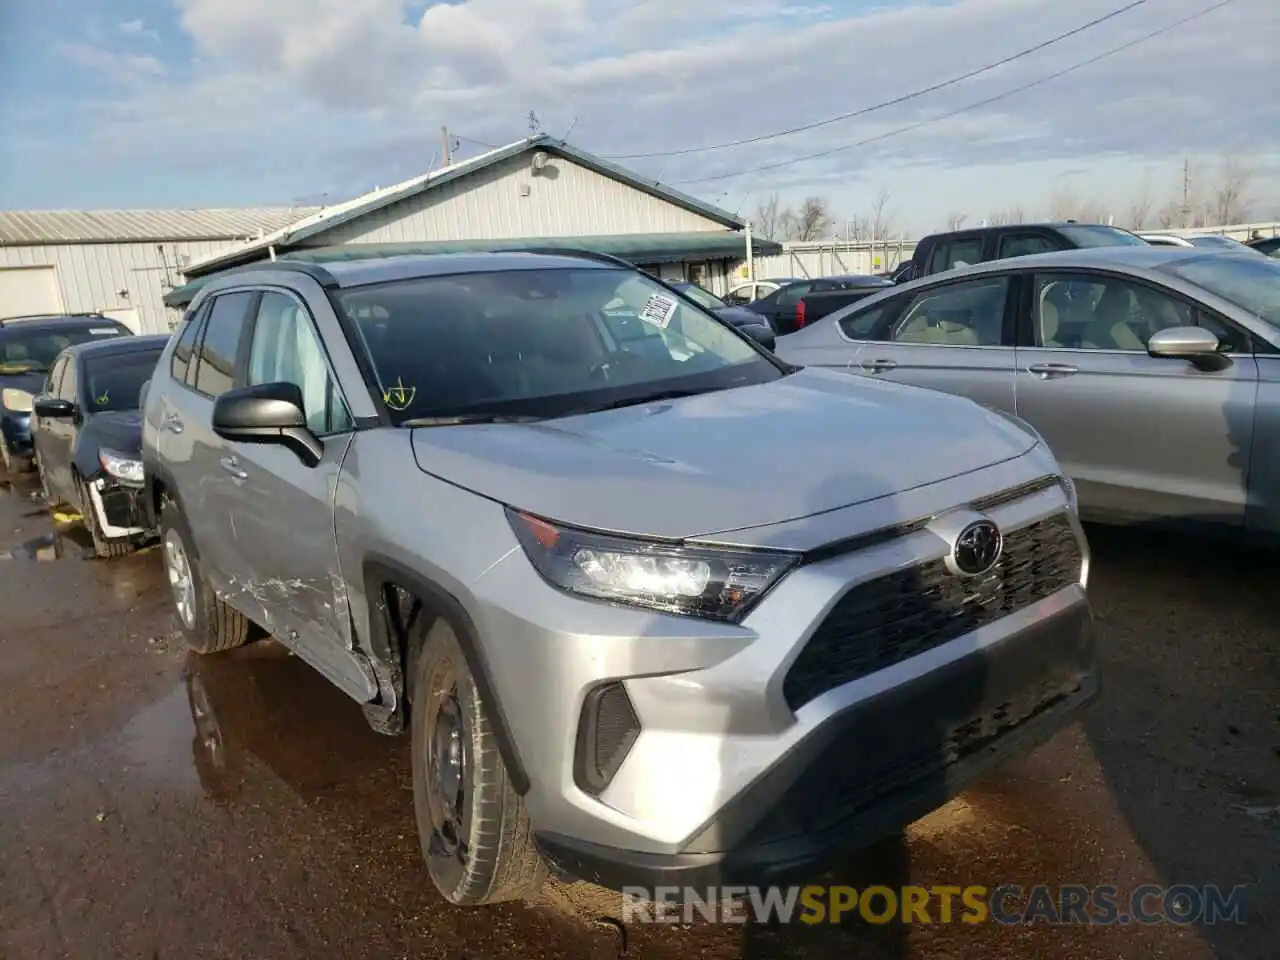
(180,581)
(448,770)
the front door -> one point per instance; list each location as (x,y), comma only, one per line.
(1142,436)
(956,337)
(283,510)
(51,445)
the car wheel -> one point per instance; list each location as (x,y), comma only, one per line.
(475,833)
(102,547)
(209,625)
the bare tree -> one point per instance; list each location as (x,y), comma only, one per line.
(881,222)
(769,219)
(1228,203)
(1066,204)
(1138,213)
(1010,215)
(956,220)
(812,221)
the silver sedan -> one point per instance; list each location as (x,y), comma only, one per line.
(1152,372)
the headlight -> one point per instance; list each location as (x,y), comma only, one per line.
(695,581)
(121,467)
(19,401)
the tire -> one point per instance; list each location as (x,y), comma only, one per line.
(103,548)
(485,853)
(208,625)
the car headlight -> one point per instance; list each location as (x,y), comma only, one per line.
(19,401)
(696,581)
(120,466)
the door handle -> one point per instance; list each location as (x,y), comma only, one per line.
(1046,371)
(232,466)
(879,366)
(171,423)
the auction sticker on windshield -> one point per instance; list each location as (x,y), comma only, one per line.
(659,310)
(103,331)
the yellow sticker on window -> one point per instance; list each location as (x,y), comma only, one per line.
(399,396)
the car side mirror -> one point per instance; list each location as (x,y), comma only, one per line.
(267,413)
(54,408)
(1196,345)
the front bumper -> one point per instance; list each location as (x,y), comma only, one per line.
(873,768)
(119,509)
(712,766)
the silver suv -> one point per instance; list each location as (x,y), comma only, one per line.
(655,606)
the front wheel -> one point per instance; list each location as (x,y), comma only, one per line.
(475,833)
(209,624)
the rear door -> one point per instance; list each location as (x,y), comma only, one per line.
(205,483)
(956,337)
(42,435)
(1143,437)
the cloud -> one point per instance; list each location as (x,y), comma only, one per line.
(137,28)
(129,68)
(352,92)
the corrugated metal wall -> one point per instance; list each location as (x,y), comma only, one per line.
(833,259)
(562,200)
(91,276)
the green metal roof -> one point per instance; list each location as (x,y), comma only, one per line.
(638,248)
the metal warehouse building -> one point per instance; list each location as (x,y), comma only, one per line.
(536,192)
(117,262)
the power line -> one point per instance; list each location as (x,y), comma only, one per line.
(862,111)
(972,106)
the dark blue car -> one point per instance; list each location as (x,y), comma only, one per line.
(28,347)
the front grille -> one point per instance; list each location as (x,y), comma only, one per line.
(607,730)
(894,617)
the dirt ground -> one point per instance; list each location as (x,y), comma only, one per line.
(155,804)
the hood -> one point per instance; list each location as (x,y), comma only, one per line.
(33,383)
(119,430)
(739,316)
(810,442)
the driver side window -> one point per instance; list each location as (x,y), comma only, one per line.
(286,349)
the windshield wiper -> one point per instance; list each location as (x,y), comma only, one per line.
(461,419)
(645,398)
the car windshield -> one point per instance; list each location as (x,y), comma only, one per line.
(1218,243)
(114,382)
(33,351)
(703,298)
(1097,235)
(1252,283)
(542,343)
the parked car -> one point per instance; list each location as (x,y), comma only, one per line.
(1166,240)
(752,290)
(519,528)
(781,307)
(87,435)
(1267,245)
(961,248)
(748,321)
(816,305)
(1152,372)
(1214,241)
(28,346)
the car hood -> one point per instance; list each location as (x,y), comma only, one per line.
(807,443)
(118,430)
(739,316)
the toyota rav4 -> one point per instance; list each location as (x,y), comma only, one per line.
(654,606)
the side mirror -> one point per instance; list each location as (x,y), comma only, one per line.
(55,408)
(1194,344)
(267,413)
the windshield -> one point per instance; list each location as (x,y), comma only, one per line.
(1218,243)
(703,298)
(1252,283)
(1096,235)
(33,351)
(541,343)
(114,382)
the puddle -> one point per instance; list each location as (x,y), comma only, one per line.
(72,544)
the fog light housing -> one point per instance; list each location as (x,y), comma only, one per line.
(607,730)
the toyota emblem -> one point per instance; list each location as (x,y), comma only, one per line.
(977,548)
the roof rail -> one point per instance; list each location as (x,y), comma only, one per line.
(314,270)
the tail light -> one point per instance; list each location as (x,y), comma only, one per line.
(800,314)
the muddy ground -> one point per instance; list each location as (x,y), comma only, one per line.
(155,804)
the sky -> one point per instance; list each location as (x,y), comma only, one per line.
(190,103)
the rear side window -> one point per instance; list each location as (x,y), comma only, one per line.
(216,363)
(863,324)
(181,359)
(1024,244)
(956,253)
